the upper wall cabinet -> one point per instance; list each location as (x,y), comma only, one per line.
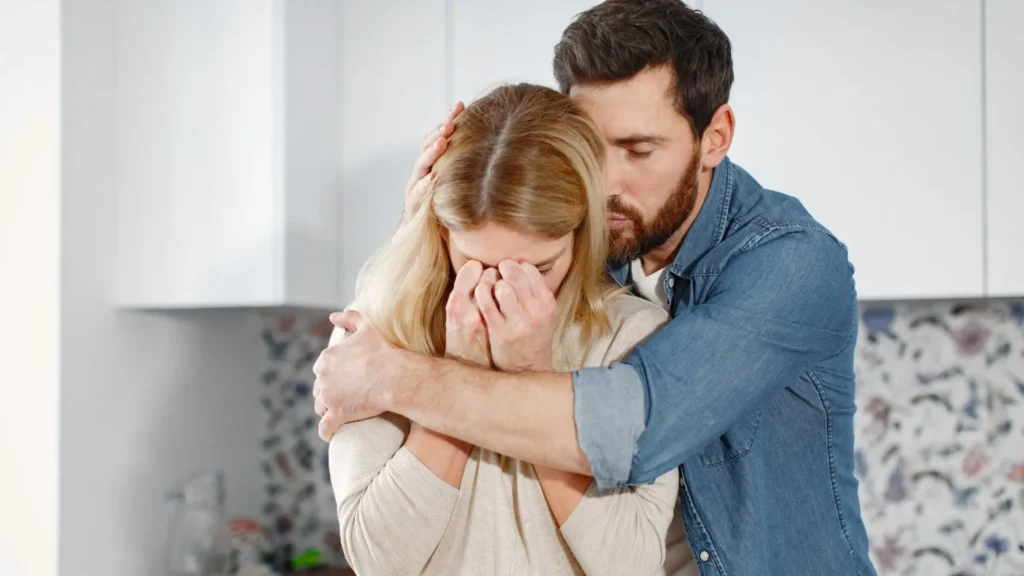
(393,61)
(1004,95)
(495,42)
(870,114)
(228,153)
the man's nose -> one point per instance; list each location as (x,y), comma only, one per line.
(614,176)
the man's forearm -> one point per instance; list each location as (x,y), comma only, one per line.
(526,415)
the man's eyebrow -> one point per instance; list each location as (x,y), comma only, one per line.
(634,139)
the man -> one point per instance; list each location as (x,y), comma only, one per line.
(750,387)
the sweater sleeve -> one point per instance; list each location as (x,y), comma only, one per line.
(392,510)
(623,531)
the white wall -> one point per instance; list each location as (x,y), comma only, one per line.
(385,111)
(143,398)
(29,276)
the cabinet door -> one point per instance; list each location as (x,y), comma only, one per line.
(495,42)
(393,84)
(870,114)
(226,153)
(1004,95)
(195,153)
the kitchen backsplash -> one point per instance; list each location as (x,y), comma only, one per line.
(940,445)
(299,510)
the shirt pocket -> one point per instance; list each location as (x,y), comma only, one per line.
(736,442)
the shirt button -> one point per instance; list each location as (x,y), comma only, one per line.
(704,556)
(671,282)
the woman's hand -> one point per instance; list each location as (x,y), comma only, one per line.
(466,340)
(521,314)
(465,332)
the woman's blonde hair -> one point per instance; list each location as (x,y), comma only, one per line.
(523,156)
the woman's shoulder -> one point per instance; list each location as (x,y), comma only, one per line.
(626,309)
(631,320)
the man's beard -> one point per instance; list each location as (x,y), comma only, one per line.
(647,236)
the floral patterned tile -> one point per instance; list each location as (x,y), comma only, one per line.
(299,506)
(940,444)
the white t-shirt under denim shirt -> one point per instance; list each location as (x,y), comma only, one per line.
(679,559)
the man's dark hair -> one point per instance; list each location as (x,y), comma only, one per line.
(616,39)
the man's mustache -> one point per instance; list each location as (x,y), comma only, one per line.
(616,208)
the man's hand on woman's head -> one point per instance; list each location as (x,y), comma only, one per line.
(434,144)
(520,314)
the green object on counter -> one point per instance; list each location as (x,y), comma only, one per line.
(309,558)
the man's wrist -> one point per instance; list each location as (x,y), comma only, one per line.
(411,370)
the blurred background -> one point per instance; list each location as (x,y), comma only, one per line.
(187,186)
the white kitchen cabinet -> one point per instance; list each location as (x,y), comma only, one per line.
(394,89)
(1004,95)
(495,42)
(227,128)
(870,113)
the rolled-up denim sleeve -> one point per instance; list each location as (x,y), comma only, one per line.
(610,414)
(771,314)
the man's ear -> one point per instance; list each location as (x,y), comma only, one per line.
(718,137)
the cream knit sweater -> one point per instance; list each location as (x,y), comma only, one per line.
(397,518)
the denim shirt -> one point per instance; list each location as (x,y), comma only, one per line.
(749,388)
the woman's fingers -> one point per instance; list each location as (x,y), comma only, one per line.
(493,317)
(460,299)
(508,301)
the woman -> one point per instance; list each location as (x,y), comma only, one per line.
(520,181)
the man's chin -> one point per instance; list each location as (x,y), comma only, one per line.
(621,253)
